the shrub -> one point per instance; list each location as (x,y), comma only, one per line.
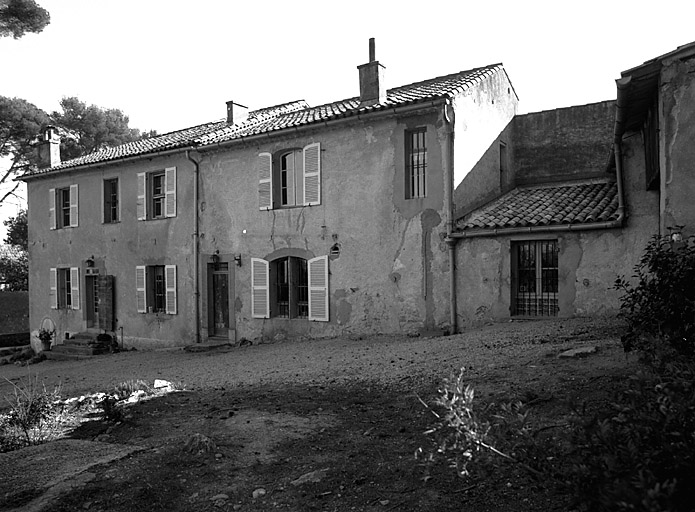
(640,454)
(660,306)
(33,413)
(127,388)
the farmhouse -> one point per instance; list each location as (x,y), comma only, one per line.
(427,207)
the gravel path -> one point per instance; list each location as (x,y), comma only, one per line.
(387,359)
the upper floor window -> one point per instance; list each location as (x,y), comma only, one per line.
(157,194)
(111,207)
(290,178)
(415,163)
(63,207)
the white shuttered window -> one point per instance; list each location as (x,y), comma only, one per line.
(312,174)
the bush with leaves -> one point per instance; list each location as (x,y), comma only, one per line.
(33,413)
(659,305)
(640,454)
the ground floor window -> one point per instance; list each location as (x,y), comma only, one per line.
(156,289)
(291,298)
(290,287)
(535,278)
(64,290)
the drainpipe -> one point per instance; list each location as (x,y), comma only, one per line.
(621,103)
(449,205)
(196,245)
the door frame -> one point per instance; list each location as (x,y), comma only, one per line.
(210,309)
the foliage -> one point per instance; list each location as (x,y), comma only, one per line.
(82,129)
(14,260)
(46,335)
(17,17)
(463,434)
(33,413)
(127,388)
(661,305)
(20,123)
(111,409)
(638,454)
(90,128)
(17,230)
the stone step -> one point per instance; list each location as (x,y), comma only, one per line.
(63,352)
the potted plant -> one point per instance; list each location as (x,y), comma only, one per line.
(46,337)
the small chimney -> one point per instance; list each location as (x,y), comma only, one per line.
(372,87)
(49,148)
(236,113)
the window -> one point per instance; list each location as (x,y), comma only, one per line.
(535,278)
(64,284)
(289,178)
(290,287)
(157,194)
(416,163)
(155,287)
(63,207)
(111,208)
(503,157)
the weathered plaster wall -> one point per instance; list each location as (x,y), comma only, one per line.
(562,144)
(117,249)
(390,271)
(489,178)
(482,114)
(677,149)
(589,261)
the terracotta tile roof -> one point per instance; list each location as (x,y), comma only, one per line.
(546,205)
(288,115)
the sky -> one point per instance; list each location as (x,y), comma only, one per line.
(170,64)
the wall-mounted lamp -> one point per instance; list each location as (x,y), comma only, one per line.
(237,259)
(215,260)
(90,262)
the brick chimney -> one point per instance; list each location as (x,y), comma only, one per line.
(49,148)
(372,87)
(236,113)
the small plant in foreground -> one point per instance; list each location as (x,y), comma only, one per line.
(127,388)
(33,411)
(111,408)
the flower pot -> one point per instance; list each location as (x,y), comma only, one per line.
(45,345)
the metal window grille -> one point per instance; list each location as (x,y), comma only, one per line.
(416,163)
(535,278)
(292,288)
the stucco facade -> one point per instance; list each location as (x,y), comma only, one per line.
(388,267)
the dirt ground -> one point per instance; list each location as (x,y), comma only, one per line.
(326,424)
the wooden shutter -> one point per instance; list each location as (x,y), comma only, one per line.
(53,288)
(142,196)
(141,289)
(74,211)
(170,192)
(52,209)
(312,174)
(260,289)
(75,287)
(105,296)
(318,288)
(264,164)
(170,284)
